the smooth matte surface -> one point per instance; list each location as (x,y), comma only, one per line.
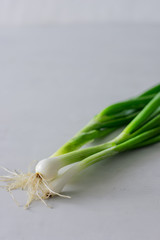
(52,81)
(47,12)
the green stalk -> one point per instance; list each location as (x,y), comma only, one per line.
(79,155)
(144,114)
(104,129)
(151,91)
(153,123)
(140,119)
(126,135)
(118,115)
(128,145)
(150,141)
(135,103)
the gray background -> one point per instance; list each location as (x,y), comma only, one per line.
(52,81)
(51,12)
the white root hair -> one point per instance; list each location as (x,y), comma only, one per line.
(34,184)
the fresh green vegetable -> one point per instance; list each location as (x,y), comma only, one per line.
(49,167)
(143,130)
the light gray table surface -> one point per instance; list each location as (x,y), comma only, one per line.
(52,81)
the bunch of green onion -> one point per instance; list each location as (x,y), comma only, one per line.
(142,114)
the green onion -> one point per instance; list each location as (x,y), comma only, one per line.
(49,167)
(143,130)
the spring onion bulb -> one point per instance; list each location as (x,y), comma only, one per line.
(52,188)
(46,181)
(59,183)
